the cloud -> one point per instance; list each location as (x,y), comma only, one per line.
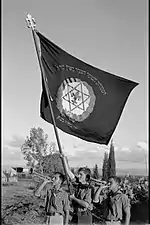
(126,157)
(16,142)
(116,148)
(143,145)
(11,157)
(134,155)
(88,156)
(93,150)
(125,149)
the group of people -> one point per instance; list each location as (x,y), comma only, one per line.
(58,202)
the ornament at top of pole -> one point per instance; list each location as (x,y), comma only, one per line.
(30,22)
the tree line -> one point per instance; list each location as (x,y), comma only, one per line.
(45,159)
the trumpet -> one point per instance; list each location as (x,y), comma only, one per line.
(42,176)
(98,182)
(106,187)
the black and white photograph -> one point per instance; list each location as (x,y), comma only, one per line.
(75,146)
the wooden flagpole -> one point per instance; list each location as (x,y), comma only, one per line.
(32,24)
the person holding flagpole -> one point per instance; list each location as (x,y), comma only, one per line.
(82,198)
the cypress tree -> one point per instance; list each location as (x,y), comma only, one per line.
(111,161)
(95,172)
(105,167)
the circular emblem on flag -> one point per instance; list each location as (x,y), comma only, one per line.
(76,99)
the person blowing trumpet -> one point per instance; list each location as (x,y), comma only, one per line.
(115,203)
(57,203)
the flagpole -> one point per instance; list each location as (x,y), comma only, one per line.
(32,24)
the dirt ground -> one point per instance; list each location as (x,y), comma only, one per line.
(20,206)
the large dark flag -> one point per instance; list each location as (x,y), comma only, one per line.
(87,102)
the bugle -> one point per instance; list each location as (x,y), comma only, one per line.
(99,182)
(42,176)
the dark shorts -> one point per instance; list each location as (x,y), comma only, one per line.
(82,218)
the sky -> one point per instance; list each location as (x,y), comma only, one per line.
(110,35)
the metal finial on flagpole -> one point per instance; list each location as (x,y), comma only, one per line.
(30,22)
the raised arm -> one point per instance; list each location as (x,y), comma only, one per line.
(96,198)
(70,174)
(37,192)
(85,202)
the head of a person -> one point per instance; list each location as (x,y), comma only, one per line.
(126,181)
(114,183)
(84,174)
(58,179)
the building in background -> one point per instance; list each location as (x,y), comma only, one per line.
(3,178)
(22,173)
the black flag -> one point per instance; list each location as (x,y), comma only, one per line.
(87,102)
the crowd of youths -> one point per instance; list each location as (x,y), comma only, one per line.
(115,196)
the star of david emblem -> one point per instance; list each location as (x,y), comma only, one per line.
(76,99)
